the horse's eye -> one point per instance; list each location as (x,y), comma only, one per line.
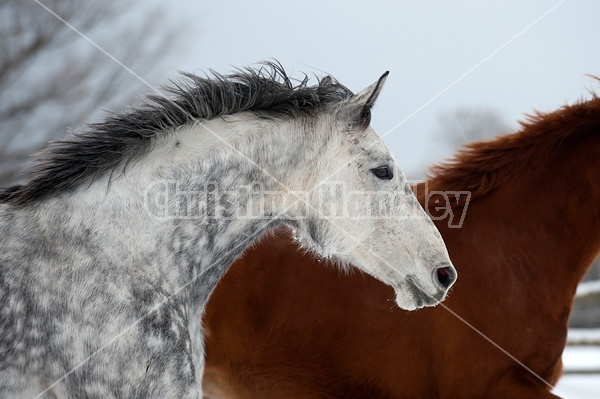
(383,173)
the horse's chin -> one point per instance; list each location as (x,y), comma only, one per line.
(409,303)
(410,297)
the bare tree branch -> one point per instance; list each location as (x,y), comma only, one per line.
(465,125)
(52,79)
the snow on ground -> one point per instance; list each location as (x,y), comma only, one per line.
(581,358)
(580,386)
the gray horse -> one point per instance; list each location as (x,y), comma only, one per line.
(109,253)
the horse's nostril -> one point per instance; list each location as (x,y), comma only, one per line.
(446,276)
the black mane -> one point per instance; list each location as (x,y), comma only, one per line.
(125,137)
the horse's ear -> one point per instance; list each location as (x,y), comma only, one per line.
(358,109)
(368,96)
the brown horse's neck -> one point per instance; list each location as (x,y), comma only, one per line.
(554,203)
(557,203)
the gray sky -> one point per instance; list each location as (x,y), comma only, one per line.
(504,59)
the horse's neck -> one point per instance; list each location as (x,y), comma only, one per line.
(193,204)
(169,210)
(546,223)
(560,203)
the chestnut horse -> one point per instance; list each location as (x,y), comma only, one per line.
(284,324)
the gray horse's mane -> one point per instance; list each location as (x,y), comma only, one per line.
(125,137)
